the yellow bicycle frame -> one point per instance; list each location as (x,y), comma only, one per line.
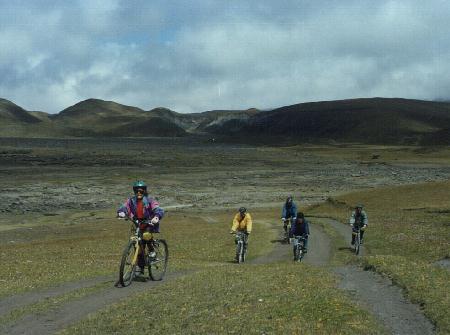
(147,236)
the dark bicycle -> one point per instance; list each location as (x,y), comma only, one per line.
(299,248)
(357,238)
(241,246)
(156,254)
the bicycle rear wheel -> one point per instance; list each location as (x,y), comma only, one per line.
(158,266)
(127,268)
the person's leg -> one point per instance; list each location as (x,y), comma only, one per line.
(353,235)
(295,243)
(141,260)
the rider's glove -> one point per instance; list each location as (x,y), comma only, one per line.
(121,214)
(294,218)
(351,224)
(232,232)
(283,219)
(155,220)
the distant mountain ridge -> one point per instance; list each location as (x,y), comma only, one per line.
(368,120)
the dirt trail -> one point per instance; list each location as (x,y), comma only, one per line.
(378,295)
(28,298)
(318,249)
(55,320)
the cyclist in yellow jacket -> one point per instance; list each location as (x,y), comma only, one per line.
(242,222)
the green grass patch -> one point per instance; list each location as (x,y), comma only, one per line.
(46,256)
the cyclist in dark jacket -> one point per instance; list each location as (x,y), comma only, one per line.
(300,227)
(289,212)
(358,220)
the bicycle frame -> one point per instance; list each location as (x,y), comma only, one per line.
(299,247)
(240,247)
(288,224)
(357,235)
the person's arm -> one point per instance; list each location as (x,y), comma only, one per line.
(283,212)
(124,210)
(155,209)
(352,219)
(365,220)
(294,211)
(307,228)
(249,225)
(293,228)
(235,223)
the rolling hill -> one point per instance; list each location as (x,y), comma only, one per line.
(371,120)
(375,120)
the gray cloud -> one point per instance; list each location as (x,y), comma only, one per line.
(198,55)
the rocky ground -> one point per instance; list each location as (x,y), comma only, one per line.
(48,176)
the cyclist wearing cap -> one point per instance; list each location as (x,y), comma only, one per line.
(358,220)
(289,211)
(143,207)
(300,227)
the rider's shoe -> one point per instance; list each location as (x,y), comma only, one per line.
(305,250)
(152,254)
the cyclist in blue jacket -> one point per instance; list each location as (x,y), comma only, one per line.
(289,212)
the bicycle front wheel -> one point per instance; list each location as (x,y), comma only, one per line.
(157,267)
(127,268)
(357,244)
(296,253)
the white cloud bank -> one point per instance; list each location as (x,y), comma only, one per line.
(193,56)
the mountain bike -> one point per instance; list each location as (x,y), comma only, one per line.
(155,261)
(299,248)
(356,232)
(241,246)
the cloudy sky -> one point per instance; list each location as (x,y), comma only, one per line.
(192,56)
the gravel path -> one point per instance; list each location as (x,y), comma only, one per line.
(383,299)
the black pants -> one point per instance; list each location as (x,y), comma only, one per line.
(361,234)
